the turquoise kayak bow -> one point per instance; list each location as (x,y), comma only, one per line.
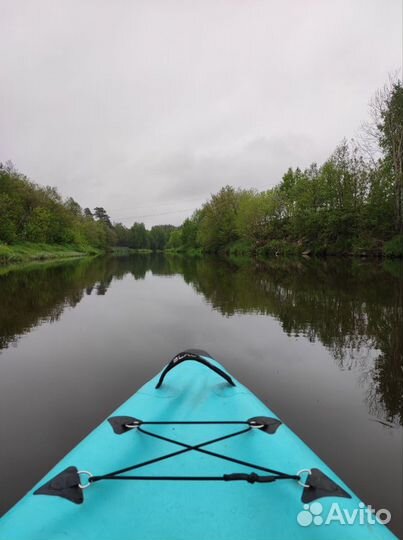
(192,455)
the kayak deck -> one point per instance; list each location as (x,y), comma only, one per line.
(159,509)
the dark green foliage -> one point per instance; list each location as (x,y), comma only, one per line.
(175,240)
(8,215)
(391,140)
(345,206)
(35,214)
(159,235)
(138,237)
(30,213)
(217,222)
(348,205)
(122,235)
(101,215)
(394,248)
(189,232)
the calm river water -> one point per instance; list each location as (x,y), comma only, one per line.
(321,342)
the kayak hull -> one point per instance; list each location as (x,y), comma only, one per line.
(151,510)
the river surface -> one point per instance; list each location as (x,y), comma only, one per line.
(321,342)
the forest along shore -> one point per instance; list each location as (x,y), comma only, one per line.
(352,204)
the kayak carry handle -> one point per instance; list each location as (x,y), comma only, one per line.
(187,355)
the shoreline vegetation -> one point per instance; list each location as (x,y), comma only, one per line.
(350,205)
(28,252)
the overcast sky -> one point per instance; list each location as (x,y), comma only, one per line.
(146,107)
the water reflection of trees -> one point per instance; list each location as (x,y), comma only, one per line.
(354,309)
(40,294)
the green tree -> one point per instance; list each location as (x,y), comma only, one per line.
(217,226)
(175,240)
(73,207)
(122,235)
(8,229)
(138,236)
(101,215)
(256,217)
(391,141)
(189,231)
(39,225)
(159,236)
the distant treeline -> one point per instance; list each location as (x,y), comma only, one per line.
(352,204)
(32,213)
(138,237)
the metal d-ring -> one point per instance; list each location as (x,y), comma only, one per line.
(254,425)
(299,474)
(84,486)
(133,425)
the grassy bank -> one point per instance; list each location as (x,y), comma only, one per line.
(28,251)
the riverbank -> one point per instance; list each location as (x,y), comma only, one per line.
(28,251)
(285,248)
(124,251)
(362,248)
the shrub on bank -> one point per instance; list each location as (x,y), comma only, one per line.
(394,247)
